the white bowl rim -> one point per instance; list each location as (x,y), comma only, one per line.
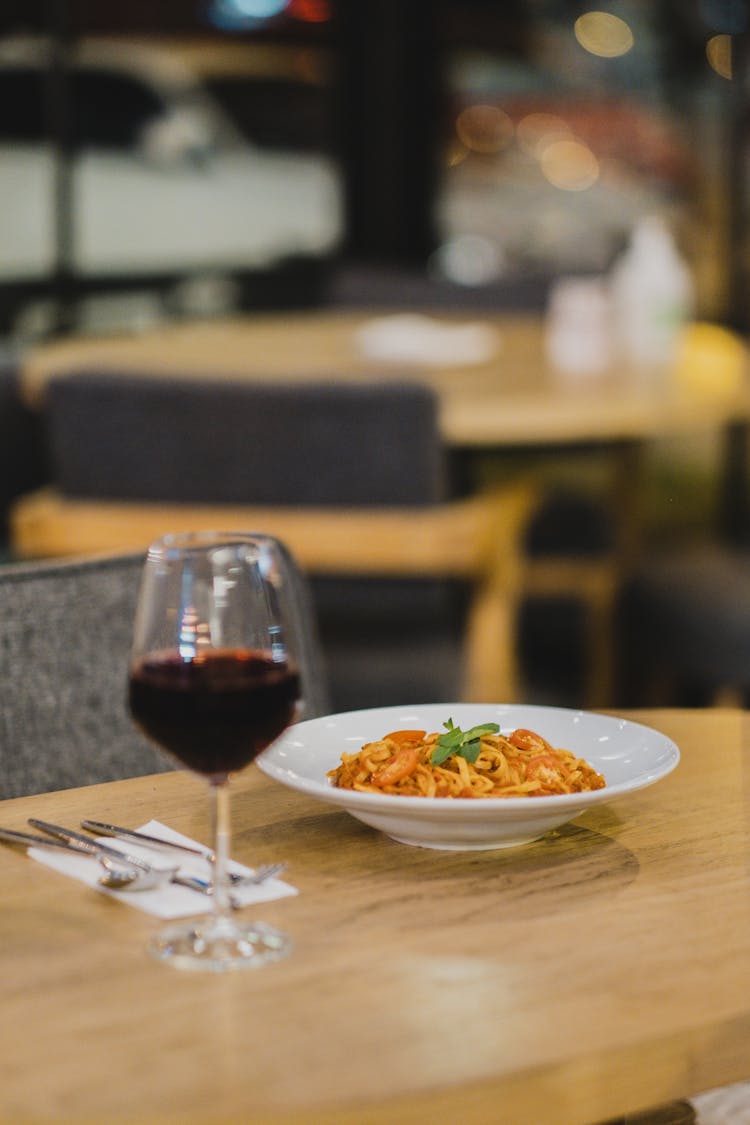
(472,806)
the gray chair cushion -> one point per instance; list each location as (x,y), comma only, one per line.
(65,635)
(689,612)
(127,436)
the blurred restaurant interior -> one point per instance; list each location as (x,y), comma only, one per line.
(537,209)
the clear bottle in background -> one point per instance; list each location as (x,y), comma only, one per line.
(653,296)
(578,330)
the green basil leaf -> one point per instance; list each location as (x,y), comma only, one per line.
(470,750)
(483,728)
(440,754)
(467,744)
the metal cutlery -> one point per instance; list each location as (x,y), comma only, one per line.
(86,844)
(119,873)
(254,878)
(259,875)
(143,875)
(136,837)
(114,877)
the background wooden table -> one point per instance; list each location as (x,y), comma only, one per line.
(602,970)
(511,403)
(513,398)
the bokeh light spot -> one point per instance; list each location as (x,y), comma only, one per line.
(603,34)
(310,11)
(455,154)
(719,54)
(484,128)
(468,260)
(537,130)
(570,165)
(238,15)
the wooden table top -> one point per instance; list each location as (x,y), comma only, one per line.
(513,398)
(600,971)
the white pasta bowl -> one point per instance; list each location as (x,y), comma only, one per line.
(629,755)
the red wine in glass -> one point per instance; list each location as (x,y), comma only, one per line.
(217,712)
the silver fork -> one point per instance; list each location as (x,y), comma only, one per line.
(254,878)
(259,875)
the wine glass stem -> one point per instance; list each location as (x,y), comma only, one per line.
(222,830)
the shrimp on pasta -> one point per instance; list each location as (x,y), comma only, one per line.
(519,764)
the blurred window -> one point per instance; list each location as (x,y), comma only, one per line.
(559,124)
(564,123)
(167,206)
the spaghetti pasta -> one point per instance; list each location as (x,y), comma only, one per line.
(520,764)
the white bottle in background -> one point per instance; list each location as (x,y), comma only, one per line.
(653,296)
(578,330)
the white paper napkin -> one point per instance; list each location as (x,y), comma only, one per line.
(415,338)
(171,900)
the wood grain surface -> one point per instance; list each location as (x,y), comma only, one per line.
(600,971)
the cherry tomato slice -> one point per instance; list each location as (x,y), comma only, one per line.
(524,739)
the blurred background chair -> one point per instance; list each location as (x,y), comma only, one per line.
(685,629)
(65,635)
(416,590)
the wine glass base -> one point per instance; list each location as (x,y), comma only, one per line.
(218,946)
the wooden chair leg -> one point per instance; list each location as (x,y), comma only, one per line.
(491,671)
(599,686)
(595,585)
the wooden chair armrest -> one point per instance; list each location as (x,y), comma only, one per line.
(479,539)
(456,538)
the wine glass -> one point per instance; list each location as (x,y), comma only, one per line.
(213,681)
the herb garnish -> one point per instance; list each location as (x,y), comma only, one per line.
(467,744)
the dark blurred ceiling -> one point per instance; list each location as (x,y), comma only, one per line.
(168,17)
(492,24)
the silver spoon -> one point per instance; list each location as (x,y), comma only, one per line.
(118,878)
(121,872)
(121,876)
(117,874)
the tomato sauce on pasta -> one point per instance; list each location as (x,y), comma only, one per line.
(519,764)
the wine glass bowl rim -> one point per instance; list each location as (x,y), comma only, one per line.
(183,542)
